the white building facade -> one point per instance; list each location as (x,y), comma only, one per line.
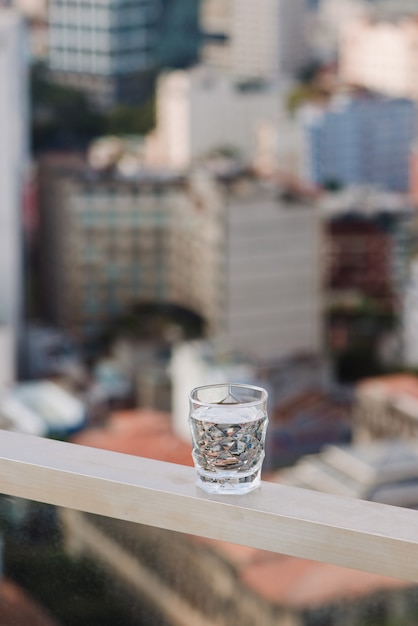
(197,363)
(200,111)
(363,45)
(272,292)
(261,40)
(230,250)
(14,170)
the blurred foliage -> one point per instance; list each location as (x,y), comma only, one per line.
(381,314)
(74,591)
(127,120)
(357,362)
(310,71)
(61,116)
(64,118)
(366,322)
(157,322)
(308,88)
(333,184)
(300,94)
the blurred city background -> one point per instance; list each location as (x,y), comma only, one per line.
(196,191)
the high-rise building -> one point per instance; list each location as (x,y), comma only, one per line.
(262,40)
(105,246)
(272,298)
(105,48)
(358,138)
(363,45)
(14,161)
(232,251)
(368,238)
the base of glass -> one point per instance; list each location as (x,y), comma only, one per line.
(230,484)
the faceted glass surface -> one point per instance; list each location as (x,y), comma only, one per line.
(228,425)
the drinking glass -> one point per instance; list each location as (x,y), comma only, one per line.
(228,423)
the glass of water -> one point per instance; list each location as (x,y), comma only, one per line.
(228,423)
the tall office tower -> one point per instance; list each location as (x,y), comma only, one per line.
(365,43)
(358,139)
(104,48)
(261,40)
(14,159)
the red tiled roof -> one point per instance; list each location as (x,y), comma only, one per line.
(279,579)
(144,432)
(288,581)
(393,384)
(313,401)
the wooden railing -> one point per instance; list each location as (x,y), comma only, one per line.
(344,531)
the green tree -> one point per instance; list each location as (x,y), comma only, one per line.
(61,116)
(130,120)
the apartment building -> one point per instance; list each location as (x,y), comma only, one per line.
(104,48)
(255,41)
(200,111)
(380,54)
(14,182)
(358,138)
(104,246)
(231,250)
(272,272)
(249,261)
(368,241)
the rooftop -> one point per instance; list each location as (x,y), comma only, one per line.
(392,385)
(383,471)
(146,433)
(314,401)
(399,391)
(281,580)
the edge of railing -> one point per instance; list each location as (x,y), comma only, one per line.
(344,531)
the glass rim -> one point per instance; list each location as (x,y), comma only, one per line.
(263,396)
